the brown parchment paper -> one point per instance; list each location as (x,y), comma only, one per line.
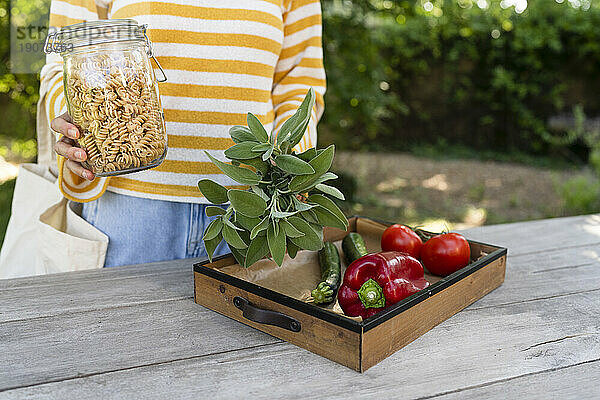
(299,276)
(296,277)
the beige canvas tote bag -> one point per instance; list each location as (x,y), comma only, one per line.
(45,232)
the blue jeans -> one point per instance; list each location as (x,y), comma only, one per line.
(144,230)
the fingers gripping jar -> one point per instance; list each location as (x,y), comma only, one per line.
(112,94)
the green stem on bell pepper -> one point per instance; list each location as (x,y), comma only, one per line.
(377,281)
(371,294)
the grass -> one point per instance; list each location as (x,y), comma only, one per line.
(581,194)
(461,193)
(445,151)
(6,193)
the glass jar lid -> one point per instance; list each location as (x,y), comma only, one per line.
(90,33)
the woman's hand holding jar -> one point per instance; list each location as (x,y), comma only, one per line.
(66,146)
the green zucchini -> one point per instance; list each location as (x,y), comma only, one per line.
(331,270)
(354,247)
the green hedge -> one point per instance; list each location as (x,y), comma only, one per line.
(18,93)
(488,78)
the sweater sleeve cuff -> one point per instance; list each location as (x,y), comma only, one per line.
(78,189)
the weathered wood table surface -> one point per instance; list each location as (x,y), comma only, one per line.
(135,332)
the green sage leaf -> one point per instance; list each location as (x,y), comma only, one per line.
(247,203)
(309,216)
(327,218)
(211,211)
(330,190)
(232,237)
(293,165)
(305,112)
(297,134)
(227,222)
(330,206)
(245,235)
(258,164)
(260,192)
(213,192)
(327,176)
(300,206)
(257,129)
(321,164)
(318,228)
(241,151)
(257,249)
(310,240)
(211,245)
(213,229)
(308,154)
(241,134)
(292,249)
(239,174)
(289,229)
(247,223)
(288,126)
(262,225)
(282,214)
(239,255)
(276,242)
(267,154)
(261,147)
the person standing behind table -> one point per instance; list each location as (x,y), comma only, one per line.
(223,58)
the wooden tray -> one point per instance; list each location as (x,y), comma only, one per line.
(357,345)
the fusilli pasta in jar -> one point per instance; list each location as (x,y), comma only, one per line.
(112,95)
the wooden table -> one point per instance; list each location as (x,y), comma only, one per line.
(135,332)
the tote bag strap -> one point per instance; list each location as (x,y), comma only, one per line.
(46,138)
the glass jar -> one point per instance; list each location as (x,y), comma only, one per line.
(112,94)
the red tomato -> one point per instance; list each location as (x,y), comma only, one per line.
(401,238)
(445,254)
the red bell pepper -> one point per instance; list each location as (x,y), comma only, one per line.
(377,281)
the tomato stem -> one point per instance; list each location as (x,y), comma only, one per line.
(424,235)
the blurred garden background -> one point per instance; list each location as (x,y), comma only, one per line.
(445,113)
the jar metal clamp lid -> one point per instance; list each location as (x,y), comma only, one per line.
(92,33)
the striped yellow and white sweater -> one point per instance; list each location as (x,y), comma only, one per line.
(223,58)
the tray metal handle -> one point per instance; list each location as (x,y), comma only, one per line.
(266,317)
